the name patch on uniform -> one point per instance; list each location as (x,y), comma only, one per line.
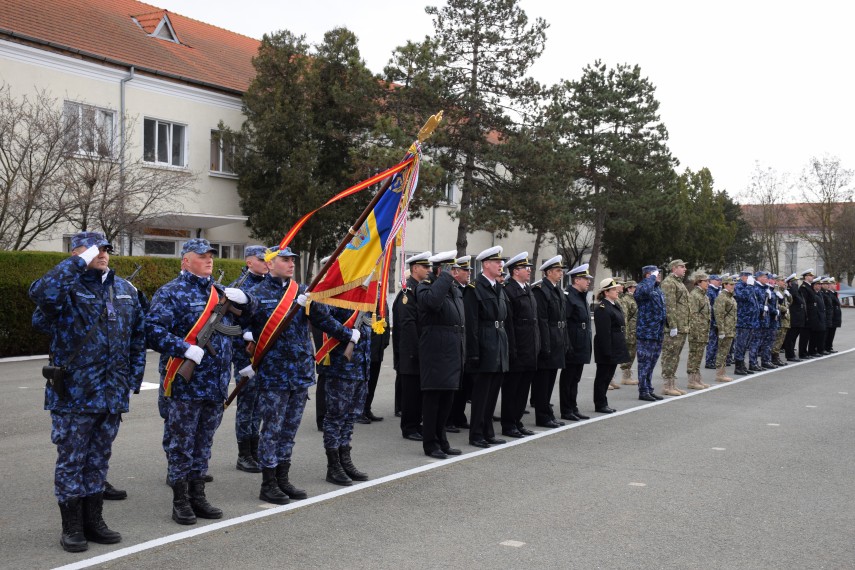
(123,297)
(85,296)
(269,301)
(199,304)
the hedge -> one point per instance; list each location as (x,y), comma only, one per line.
(18,269)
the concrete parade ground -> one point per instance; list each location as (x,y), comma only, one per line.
(757,473)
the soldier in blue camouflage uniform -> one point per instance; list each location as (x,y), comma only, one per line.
(712,343)
(195,408)
(346,389)
(649,330)
(772,322)
(285,375)
(97,337)
(747,320)
(761,332)
(247,415)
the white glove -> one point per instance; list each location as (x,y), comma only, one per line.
(247,336)
(248,371)
(194,353)
(768,294)
(750,280)
(237,296)
(90,254)
(765,309)
(301,299)
(721,337)
(779,294)
(673,332)
(655,273)
(777,313)
(354,338)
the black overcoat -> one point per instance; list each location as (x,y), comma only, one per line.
(405,330)
(610,341)
(441,338)
(523,331)
(578,328)
(797,306)
(552,321)
(486,339)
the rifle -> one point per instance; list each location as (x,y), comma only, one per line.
(360,320)
(214,325)
(130,278)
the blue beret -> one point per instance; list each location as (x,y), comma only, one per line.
(88,239)
(197,245)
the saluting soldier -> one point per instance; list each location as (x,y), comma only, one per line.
(247,416)
(725,308)
(524,344)
(97,350)
(651,323)
(677,317)
(486,306)
(713,291)
(784,301)
(747,320)
(755,349)
(441,352)
(579,343)
(809,297)
(405,346)
(699,330)
(796,310)
(194,406)
(461,271)
(630,312)
(552,322)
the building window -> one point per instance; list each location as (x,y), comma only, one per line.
(791,256)
(222,154)
(91,129)
(160,247)
(448,187)
(164,143)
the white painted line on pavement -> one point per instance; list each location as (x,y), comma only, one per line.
(513,543)
(718,448)
(773,425)
(843,393)
(149,386)
(634,484)
(23,358)
(163,540)
(810,406)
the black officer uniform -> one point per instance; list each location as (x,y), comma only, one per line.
(405,348)
(836,321)
(811,316)
(797,319)
(457,417)
(609,349)
(578,349)
(552,322)
(379,342)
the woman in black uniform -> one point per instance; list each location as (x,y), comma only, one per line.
(609,343)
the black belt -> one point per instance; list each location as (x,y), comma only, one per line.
(497,324)
(559,324)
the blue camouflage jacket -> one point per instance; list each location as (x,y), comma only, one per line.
(240,357)
(174,309)
(290,363)
(712,293)
(762,301)
(359,367)
(651,310)
(72,299)
(769,319)
(746,306)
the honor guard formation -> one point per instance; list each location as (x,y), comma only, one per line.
(455,340)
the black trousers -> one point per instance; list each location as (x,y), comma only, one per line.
(817,342)
(411,404)
(568,387)
(321,400)
(436,405)
(373,376)
(790,342)
(457,417)
(602,378)
(804,341)
(515,388)
(541,394)
(485,393)
(829,338)
(397,393)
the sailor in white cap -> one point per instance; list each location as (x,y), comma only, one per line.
(461,270)
(811,314)
(579,348)
(486,345)
(405,347)
(796,310)
(552,322)
(441,356)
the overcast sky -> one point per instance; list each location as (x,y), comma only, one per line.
(738,82)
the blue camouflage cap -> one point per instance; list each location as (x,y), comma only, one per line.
(715,277)
(648,269)
(286,252)
(745,272)
(761,273)
(255,250)
(197,245)
(88,239)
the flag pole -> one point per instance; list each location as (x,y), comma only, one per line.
(424,133)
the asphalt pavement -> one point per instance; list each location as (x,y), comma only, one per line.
(752,474)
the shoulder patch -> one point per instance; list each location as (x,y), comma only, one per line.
(471,285)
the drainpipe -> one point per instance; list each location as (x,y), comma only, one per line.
(122,145)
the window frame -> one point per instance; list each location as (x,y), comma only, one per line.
(185,146)
(216,135)
(100,114)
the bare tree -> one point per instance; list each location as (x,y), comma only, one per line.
(34,143)
(574,243)
(767,213)
(825,186)
(843,245)
(108,192)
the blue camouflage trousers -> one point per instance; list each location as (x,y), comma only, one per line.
(345,402)
(247,414)
(756,345)
(766,346)
(281,412)
(189,430)
(648,354)
(712,347)
(84,444)
(740,345)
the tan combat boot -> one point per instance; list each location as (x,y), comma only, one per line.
(720,376)
(694,384)
(613,385)
(627,378)
(700,380)
(669,389)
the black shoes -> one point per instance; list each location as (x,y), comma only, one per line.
(245,462)
(479,443)
(348,466)
(113,494)
(605,410)
(525,431)
(571,417)
(370,415)
(452,451)
(199,503)
(452,429)
(437,454)
(578,415)
(647,397)
(270,491)
(513,433)
(397,414)
(363,420)
(182,512)
(335,472)
(656,396)
(293,492)
(709,366)
(495,440)
(415,436)
(94,527)
(72,539)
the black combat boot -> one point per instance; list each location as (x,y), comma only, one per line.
(199,502)
(348,466)
(72,538)
(182,512)
(270,490)
(94,527)
(754,368)
(740,369)
(282,479)
(113,494)
(335,473)
(253,449)
(245,461)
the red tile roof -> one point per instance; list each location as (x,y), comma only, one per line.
(207,55)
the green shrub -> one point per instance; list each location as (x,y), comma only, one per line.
(18,269)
